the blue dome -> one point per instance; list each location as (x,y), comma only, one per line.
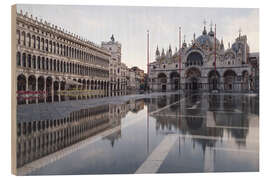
(236,46)
(207,39)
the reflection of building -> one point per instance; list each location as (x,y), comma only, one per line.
(233,70)
(136,105)
(195,121)
(36,139)
(39,138)
(50,60)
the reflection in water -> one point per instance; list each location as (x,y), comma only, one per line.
(216,117)
(37,139)
(191,116)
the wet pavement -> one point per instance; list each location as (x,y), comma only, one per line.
(156,134)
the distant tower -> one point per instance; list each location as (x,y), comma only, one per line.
(204,29)
(170,51)
(184,45)
(157,52)
(114,47)
(221,44)
(112,38)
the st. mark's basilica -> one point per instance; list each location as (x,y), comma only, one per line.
(235,69)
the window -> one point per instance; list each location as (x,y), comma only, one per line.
(18,58)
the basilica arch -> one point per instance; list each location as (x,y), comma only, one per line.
(162,81)
(174,80)
(245,81)
(229,80)
(194,58)
(193,76)
(213,80)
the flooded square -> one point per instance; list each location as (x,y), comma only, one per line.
(165,133)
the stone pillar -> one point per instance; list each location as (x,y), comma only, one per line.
(27,89)
(59,88)
(36,88)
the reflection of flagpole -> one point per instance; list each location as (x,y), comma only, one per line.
(179,114)
(215,50)
(148,128)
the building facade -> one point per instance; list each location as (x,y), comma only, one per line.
(139,77)
(198,71)
(53,65)
(131,81)
(117,69)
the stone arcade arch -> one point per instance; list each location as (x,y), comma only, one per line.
(245,81)
(21,87)
(193,76)
(194,58)
(229,80)
(49,85)
(162,81)
(214,80)
(41,88)
(56,88)
(32,87)
(174,80)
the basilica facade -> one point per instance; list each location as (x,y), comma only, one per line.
(231,71)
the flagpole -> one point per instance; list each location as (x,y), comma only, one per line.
(179,63)
(148,60)
(215,51)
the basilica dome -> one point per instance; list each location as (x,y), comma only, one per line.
(207,40)
(236,46)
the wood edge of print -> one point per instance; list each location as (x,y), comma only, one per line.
(13,91)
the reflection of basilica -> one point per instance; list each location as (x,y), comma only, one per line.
(193,121)
(235,67)
(37,139)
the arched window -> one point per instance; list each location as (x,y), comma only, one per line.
(38,62)
(58,66)
(18,37)
(64,67)
(42,43)
(29,39)
(34,41)
(61,66)
(23,37)
(57,48)
(194,58)
(50,46)
(60,49)
(38,42)
(24,60)
(18,59)
(34,62)
(47,64)
(54,65)
(54,48)
(51,64)
(43,63)
(47,45)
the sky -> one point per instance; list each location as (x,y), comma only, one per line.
(129,25)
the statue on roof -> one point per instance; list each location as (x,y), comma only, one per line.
(112,38)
